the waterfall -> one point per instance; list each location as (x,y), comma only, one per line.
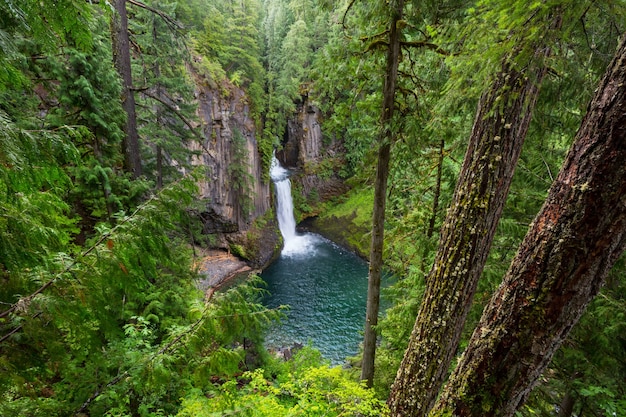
(284,202)
(294,243)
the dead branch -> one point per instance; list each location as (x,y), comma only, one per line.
(169,21)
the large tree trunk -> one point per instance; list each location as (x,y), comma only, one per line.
(560,266)
(500,127)
(121,59)
(380,195)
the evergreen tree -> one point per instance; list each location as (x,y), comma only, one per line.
(561,265)
(387,136)
(500,128)
(166,116)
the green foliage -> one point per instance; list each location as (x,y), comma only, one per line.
(301,387)
(118,324)
(231,46)
(167,121)
(50,27)
(36,219)
(350,218)
(88,93)
(293,35)
(124,314)
(86,299)
(238,250)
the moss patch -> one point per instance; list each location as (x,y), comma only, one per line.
(347,221)
(357,203)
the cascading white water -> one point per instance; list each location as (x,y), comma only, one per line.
(284,201)
(294,243)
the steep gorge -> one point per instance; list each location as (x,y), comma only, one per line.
(236,193)
(314,158)
(316,161)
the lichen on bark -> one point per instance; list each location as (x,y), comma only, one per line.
(560,266)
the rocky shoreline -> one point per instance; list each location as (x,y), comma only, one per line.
(217,267)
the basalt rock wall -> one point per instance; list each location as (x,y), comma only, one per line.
(303,140)
(233,190)
(314,159)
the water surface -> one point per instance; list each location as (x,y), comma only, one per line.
(326,289)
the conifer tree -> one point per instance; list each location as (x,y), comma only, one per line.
(121,58)
(380,191)
(166,115)
(500,127)
(568,251)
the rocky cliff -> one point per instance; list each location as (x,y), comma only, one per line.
(236,197)
(303,140)
(314,159)
(233,191)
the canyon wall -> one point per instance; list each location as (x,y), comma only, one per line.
(236,193)
(234,190)
(315,160)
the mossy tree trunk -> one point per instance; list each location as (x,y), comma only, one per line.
(121,59)
(560,266)
(500,127)
(380,194)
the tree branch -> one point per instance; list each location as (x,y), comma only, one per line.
(164,349)
(380,42)
(425,44)
(343,19)
(173,109)
(170,21)
(146,92)
(25,301)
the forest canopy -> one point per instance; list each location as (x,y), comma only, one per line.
(489,133)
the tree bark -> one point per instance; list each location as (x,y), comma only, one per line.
(121,60)
(566,408)
(159,116)
(500,127)
(560,266)
(433,217)
(380,195)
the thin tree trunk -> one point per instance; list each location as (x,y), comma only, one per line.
(158,112)
(560,266)
(433,217)
(499,130)
(380,195)
(566,407)
(121,59)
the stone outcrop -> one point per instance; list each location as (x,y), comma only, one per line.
(230,135)
(313,159)
(303,137)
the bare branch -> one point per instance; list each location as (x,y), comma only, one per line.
(170,21)
(378,43)
(343,19)
(146,92)
(173,109)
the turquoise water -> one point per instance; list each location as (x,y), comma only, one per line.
(326,289)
